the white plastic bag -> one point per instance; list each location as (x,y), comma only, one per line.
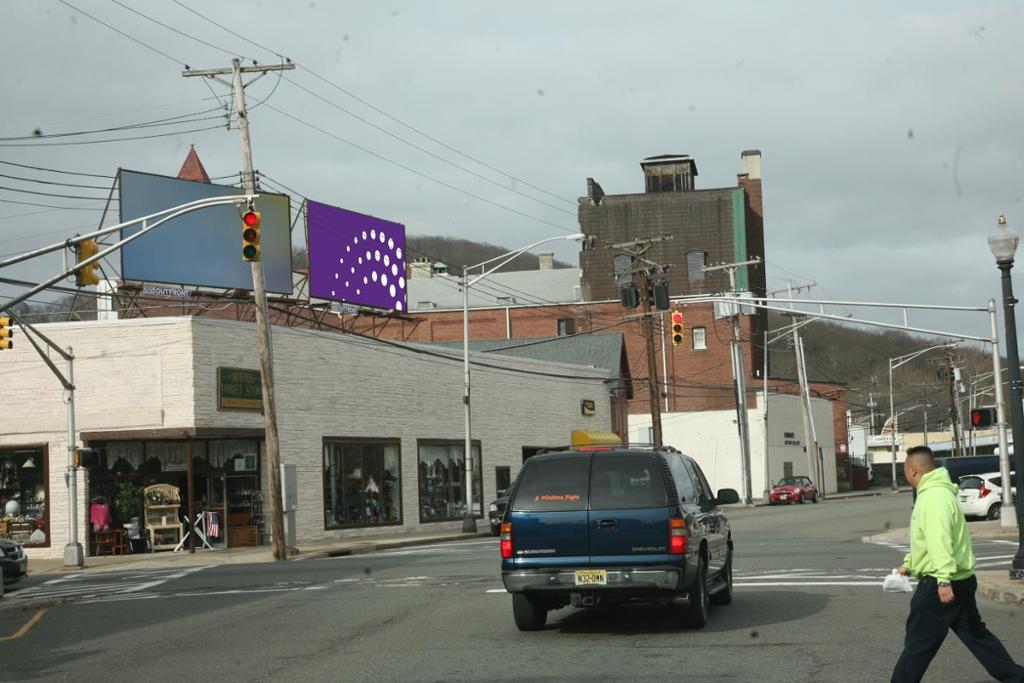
(897,583)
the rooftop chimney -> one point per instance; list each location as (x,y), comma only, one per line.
(421,268)
(750,163)
(546,260)
(669,173)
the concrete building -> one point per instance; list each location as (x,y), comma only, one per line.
(710,438)
(374,429)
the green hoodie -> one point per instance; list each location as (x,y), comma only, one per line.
(939,543)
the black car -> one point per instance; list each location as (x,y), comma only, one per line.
(13,560)
(496,513)
(609,526)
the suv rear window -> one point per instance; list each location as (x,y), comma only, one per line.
(626,481)
(555,484)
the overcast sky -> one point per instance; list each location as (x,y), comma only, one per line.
(891,137)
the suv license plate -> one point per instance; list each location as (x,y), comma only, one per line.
(591,577)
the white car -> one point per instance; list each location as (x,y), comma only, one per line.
(981,495)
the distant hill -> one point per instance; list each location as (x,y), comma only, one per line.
(455,253)
(859,357)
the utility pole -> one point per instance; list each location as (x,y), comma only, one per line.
(810,442)
(954,409)
(260,295)
(818,466)
(739,376)
(643,268)
(872,405)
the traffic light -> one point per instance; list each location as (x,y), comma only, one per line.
(983,417)
(87,274)
(660,295)
(630,295)
(87,457)
(677,328)
(251,236)
(5,334)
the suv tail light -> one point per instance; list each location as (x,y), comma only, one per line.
(984,491)
(506,541)
(677,536)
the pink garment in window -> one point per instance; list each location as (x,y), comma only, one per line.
(99,515)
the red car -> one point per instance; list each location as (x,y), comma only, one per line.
(793,490)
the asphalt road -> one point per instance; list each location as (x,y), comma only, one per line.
(808,607)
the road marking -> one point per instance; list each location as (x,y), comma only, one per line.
(26,626)
(995,557)
(78,587)
(808,583)
(496,590)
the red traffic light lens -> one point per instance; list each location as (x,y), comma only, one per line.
(251,218)
(249,235)
(677,317)
(976,417)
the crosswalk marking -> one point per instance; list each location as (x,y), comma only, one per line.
(989,553)
(82,586)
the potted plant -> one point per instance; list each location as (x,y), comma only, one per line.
(127,501)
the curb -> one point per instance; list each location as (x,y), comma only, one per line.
(1001,594)
(387,545)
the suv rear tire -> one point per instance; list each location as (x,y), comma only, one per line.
(695,615)
(530,615)
(724,597)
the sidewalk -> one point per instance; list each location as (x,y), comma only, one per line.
(994,584)
(165,560)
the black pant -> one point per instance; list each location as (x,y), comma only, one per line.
(929,622)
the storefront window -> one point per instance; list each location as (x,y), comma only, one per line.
(362,483)
(24,517)
(442,475)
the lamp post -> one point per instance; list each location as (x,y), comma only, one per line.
(894,416)
(468,520)
(1003,244)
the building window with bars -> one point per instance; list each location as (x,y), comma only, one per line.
(566,326)
(695,262)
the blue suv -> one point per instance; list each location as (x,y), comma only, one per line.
(613,525)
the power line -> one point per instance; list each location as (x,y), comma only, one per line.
(129,37)
(125,139)
(378,109)
(171,28)
(53,182)
(415,172)
(168,121)
(49,194)
(51,206)
(54,170)
(424,149)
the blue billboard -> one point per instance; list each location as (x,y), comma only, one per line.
(202,248)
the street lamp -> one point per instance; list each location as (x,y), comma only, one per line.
(468,520)
(1003,244)
(893,364)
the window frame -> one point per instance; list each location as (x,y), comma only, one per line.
(44,451)
(360,440)
(693,338)
(565,327)
(479,475)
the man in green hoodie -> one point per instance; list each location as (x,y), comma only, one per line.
(942,559)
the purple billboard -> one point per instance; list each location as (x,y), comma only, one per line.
(355,258)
